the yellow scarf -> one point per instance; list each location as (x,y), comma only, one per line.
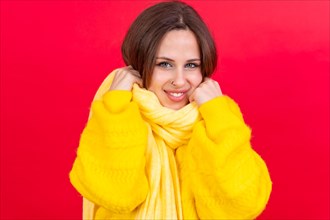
(167,130)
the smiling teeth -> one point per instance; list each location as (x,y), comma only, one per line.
(177,94)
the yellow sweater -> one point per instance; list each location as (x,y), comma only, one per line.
(220,175)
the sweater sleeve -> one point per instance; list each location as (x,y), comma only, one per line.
(109,169)
(227,178)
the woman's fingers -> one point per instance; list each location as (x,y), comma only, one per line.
(125,78)
(207,90)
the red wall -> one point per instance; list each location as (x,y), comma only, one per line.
(274,60)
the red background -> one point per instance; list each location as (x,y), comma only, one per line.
(274,60)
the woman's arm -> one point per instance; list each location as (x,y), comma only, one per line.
(109,168)
(227,178)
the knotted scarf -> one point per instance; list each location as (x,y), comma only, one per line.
(168,129)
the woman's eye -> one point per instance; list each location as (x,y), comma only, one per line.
(191,65)
(164,65)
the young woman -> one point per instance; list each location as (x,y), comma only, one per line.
(162,141)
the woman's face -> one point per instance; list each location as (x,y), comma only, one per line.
(177,72)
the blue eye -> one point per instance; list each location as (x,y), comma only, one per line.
(191,65)
(164,64)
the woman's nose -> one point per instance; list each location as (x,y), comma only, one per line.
(178,78)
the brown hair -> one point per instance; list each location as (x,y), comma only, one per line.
(146,32)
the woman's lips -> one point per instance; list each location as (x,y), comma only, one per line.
(176,96)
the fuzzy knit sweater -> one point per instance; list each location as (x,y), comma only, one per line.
(219,175)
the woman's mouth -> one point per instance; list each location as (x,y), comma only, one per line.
(176,96)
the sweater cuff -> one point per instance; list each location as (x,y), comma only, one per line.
(221,114)
(117,101)
(214,107)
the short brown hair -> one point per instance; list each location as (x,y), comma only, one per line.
(146,32)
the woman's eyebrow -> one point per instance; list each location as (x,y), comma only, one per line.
(165,58)
(192,60)
(169,59)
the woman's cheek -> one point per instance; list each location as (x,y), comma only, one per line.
(199,79)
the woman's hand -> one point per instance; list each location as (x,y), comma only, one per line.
(207,90)
(125,78)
